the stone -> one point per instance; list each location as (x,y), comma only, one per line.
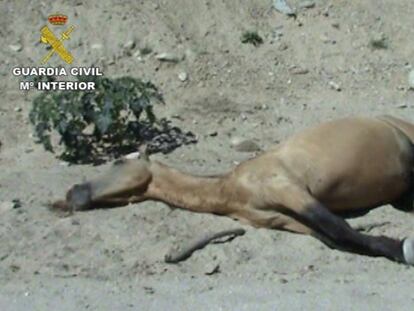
(16,47)
(6,206)
(299,70)
(96,46)
(411,79)
(244,145)
(129,45)
(168,57)
(9,205)
(283,7)
(335,86)
(183,76)
(212,268)
(307,4)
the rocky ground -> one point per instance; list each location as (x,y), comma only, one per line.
(336,58)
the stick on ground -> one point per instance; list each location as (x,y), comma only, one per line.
(186,252)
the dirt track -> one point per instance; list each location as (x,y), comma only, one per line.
(113,259)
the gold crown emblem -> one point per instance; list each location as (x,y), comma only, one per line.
(57,19)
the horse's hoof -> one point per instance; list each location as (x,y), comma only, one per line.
(408,251)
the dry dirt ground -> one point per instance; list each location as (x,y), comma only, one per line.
(113,259)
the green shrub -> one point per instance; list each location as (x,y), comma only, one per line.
(101,124)
(251,37)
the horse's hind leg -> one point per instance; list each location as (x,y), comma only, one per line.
(335,231)
(405,203)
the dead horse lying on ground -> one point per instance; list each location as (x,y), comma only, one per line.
(304,185)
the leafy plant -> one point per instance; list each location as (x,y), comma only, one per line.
(251,37)
(104,123)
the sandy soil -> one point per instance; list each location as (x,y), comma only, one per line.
(113,259)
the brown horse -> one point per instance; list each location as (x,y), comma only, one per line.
(306,184)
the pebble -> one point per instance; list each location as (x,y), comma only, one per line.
(326,39)
(411,79)
(283,47)
(17,109)
(129,45)
(16,203)
(265,107)
(244,145)
(283,7)
(402,106)
(6,206)
(335,24)
(299,70)
(212,268)
(168,57)
(335,86)
(183,76)
(9,205)
(307,4)
(96,46)
(16,47)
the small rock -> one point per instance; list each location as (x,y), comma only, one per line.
(283,7)
(16,47)
(283,280)
(411,79)
(129,45)
(16,203)
(96,46)
(75,222)
(335,86)
(213,134)
(212,269)
(307,4)
(335,25)
(17,109)
(283,47)
(244,145)
(149,290)
(183,76)
(9,205)
(299,70)
(326,39)
(402,106)
(168,57)
(6,206)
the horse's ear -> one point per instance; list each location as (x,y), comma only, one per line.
(143,152)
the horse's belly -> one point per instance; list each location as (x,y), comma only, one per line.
(357,193)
